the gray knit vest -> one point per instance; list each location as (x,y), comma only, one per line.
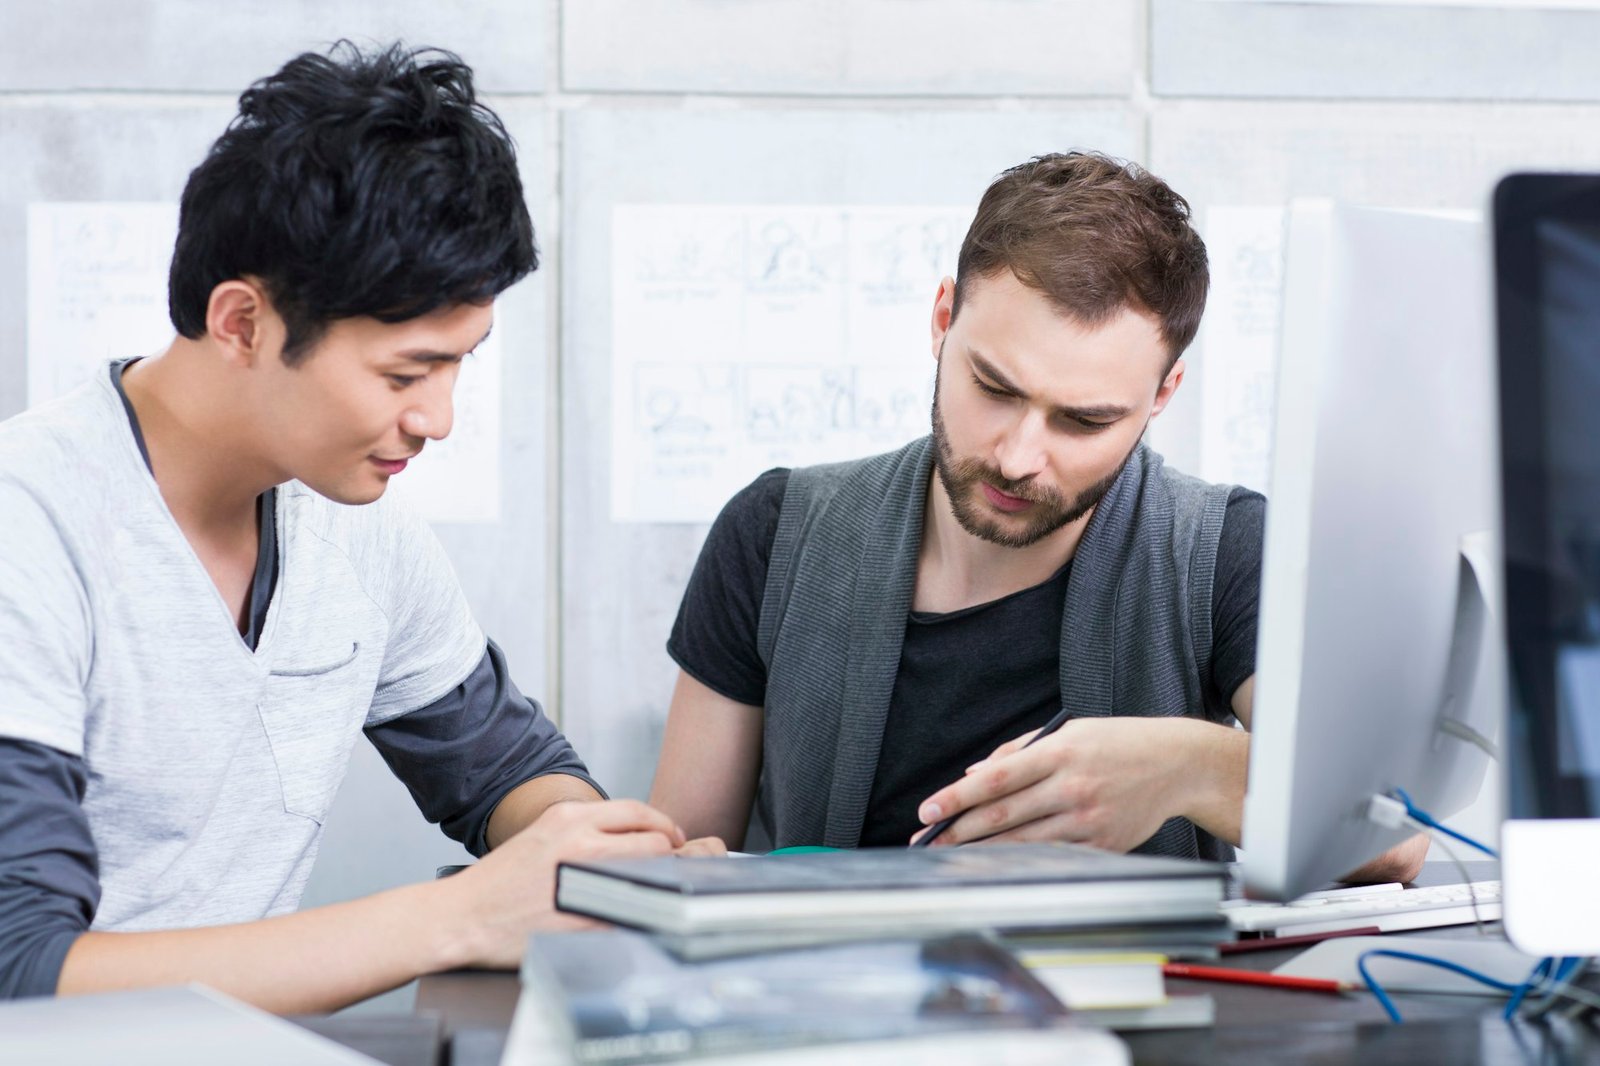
(1135,632)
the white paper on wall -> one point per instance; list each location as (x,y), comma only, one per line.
(1239,343)
(748,337)
(97,288)
(97,291)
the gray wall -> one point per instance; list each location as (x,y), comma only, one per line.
(767,101)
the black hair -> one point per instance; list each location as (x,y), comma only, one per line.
(354,184)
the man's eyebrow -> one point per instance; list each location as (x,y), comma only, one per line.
(1101,411)
(427,355)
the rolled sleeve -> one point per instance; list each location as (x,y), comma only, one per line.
(460,755)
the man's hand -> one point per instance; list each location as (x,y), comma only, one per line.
(702,847)
(1402,863)
(510,892)
(1109,782)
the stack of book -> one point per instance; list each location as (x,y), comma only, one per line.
(876,948)
(711,907)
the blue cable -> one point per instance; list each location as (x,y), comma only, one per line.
(1564,969)
(1546,968)
(1540,972)
(1552,972)
(1428,820)
(1388,1004)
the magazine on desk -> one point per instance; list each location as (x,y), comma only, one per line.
(908,891)
(616,997)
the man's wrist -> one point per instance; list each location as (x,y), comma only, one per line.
(1212,760)
(445,912)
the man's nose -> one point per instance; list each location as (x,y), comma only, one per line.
(433,415)
(1022,453)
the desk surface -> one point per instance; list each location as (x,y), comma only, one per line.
(1253,1024)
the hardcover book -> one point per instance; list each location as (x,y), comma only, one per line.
(893,891)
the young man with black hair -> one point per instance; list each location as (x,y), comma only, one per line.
(866,647)
(204,598)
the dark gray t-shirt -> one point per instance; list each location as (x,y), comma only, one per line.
(968,680)
(459,755)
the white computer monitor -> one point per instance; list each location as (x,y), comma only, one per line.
(1547,280)
(1378,664)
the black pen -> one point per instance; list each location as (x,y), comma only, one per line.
(938,827)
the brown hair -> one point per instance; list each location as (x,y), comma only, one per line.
(1094,235)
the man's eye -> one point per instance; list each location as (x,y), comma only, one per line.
(986,387)
(401,381)
(1080,424)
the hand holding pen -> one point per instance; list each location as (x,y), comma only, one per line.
(1108,781)
(1049,727)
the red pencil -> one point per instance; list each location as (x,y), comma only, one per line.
(1254,977)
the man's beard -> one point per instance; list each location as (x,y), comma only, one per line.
(1050,512)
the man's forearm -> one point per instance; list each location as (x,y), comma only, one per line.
(329,957)
(523,805)
(311,961)
(1217,757)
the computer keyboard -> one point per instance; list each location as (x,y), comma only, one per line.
(1388,908)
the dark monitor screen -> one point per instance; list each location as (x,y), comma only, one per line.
(1547,277)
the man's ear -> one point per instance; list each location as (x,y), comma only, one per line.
(1169,385)
(944,302)
(238,320)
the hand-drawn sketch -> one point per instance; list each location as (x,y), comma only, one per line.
(1239,344)
(750,337)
